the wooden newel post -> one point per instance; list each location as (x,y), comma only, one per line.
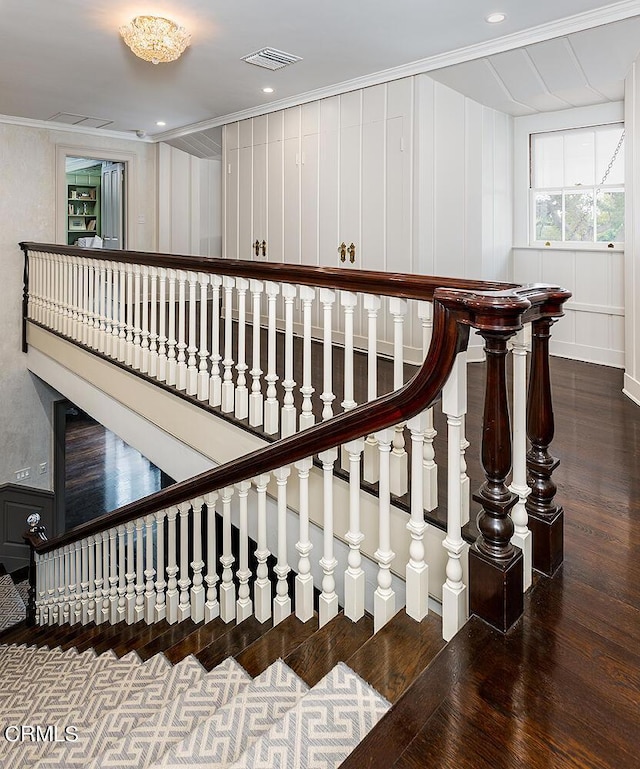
(33,536)
(546,519)
(25,298)
(495,565)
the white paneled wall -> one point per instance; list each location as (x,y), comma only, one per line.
(189,195)
(593,329)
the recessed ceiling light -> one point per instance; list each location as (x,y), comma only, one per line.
(161,123)
(496,18)
(267,90)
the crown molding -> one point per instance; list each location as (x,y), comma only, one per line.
(559,28)
(51,125)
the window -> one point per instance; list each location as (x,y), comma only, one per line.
(577,185)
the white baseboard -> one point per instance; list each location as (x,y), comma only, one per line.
(631,389)
(588,354)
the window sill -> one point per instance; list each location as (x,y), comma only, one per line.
(571,247)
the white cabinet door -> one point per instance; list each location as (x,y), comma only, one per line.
(259,189)
(275,188)
(309,178)
(329,183)
(245,202)
(230,172)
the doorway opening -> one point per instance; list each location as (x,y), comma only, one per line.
(95,193)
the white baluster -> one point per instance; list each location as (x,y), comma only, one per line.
(289,419)
(242,393)
(522,536)
(161,601)
(102,306)
(144,333)
(307,296)
(171,330)
(227,378)
(215,387)
(203,369)
(384,600)
(429,466)
(349,301)
(354,578)
(197,591)
(262,586)
(122,323)
(465,489)
(99,580)
(192,349)
(328,606)
(398,461)
(139,605)
(106,585)
(184,583)
(130,576)
(153,321)
(227,587)
(129,356)
(181,371)
(122,574)
(84,582)
(42,588)
(255,399)
(162,325)
(454,598)
(149,572)
(64,294)
(271,415)
(113,577)
(97,304)
(282,601)
(66,583)
(327,298)
(115,309)
(88,339)
(417,572)
(108,310)
(58,568)
(371,462)
(75,298)
(244,607)
(211,607)
(172,567)
(304,579)
(77,583)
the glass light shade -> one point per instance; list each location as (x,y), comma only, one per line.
(155,39)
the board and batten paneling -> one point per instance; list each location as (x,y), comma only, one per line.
(593,327)
(189,192)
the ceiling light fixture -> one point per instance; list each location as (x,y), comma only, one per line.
(160,123)
(267,90)
(495,18)
(155,39)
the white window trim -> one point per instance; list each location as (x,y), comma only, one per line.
(578,117)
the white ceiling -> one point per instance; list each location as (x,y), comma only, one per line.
(66,59)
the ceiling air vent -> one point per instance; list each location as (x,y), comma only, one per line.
(271,58)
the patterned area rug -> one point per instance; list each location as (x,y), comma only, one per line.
(12,608)
(126,713)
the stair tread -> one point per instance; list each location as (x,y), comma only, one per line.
(397,653)
(197,641)
(322,728)
(277,643)
(146,743)
(335,642)
(221,738)
(169,638)
(12,608)
(233,642)
(144,636)
(98,734)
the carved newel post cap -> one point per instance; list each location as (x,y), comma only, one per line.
(32,522)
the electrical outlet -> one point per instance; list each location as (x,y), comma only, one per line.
(43,468)
(22,475)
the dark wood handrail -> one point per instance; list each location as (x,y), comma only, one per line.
(363,281)
(454,312)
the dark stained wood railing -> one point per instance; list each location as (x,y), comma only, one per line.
(497,311)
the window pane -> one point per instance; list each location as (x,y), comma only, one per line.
(579,158)
(610,216)
(547,160)
(578,216)
(606,142)
(548,217)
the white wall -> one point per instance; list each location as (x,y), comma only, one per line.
(593,328)
(189,203)
(28,184)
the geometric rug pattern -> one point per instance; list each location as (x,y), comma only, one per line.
(129,713)
(12,608)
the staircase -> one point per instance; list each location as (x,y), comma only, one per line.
(14,595)
(139,696)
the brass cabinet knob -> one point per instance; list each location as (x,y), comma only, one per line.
(256,247)
(342,250)
(263,246)
(352,253)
